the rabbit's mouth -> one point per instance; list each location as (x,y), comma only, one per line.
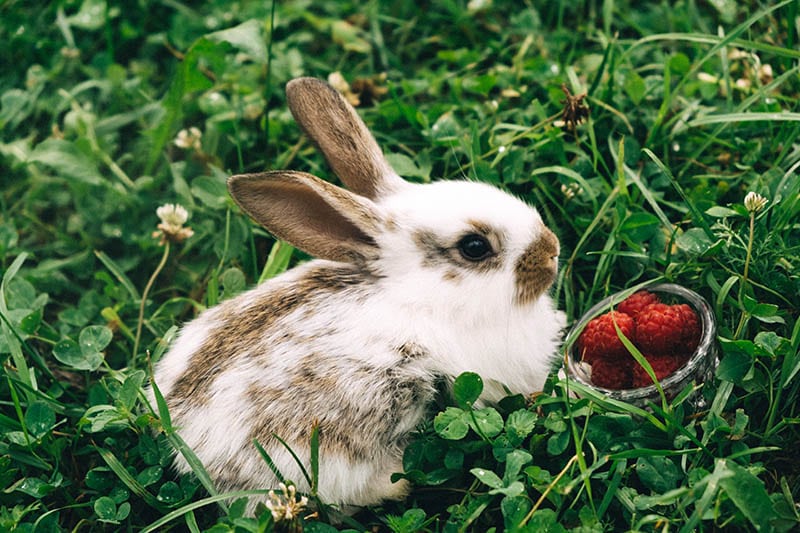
(536,268)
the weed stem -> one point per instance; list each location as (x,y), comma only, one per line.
(144,299)
(743,317)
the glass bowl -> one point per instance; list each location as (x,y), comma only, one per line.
(698,369)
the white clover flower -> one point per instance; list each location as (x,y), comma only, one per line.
(173,217)
(286,505)
(189,139)
(754,202)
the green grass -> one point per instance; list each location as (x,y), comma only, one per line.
(693,105)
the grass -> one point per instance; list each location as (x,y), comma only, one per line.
(693,105)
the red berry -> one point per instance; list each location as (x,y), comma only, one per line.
(663,366)
(667,329)
(637,301)
(599,339)
(611,374)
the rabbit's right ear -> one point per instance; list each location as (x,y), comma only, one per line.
(315,216)
(343,138)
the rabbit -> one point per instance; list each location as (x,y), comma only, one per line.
(412,285)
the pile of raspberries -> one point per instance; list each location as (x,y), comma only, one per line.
(667,336)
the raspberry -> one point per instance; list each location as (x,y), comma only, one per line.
(663,366)
(663,329)
(637,301)
(611,374)
(599,338)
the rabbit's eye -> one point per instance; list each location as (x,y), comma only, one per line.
(474,247)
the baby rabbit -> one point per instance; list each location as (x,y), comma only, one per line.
(413,283)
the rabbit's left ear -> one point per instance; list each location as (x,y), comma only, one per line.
(315,216)
(343,138)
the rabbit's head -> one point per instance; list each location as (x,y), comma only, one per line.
(463,263)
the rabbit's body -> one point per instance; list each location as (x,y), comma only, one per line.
(355,342)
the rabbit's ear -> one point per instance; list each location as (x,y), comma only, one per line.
(319,218)
(342,136)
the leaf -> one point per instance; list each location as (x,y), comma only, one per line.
(170,493)
(32,486)
(734,367)
(129,391)
(514,510)
(406,167)
(486,422)
(91,15)
(467,388)
(210,191)
(634,86)
(721,212)
(450,424)
(411,521)
(558,443)
(349,37)
(94,339)
(658,474)
(520,423)
(488,477)
(106,509)
(39,419)
(233,282)
(640,227)
(247,37)
(65,158)
(694,241)
(69,353)
(150,475)
(748,493)
(515,460)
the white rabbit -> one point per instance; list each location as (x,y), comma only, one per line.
(414,283)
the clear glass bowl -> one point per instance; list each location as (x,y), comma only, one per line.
(698,369)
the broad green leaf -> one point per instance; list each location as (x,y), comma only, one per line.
(514,510)
(659,474)
(247,37)
(411,521)
(451,424)
(467,388)
(406,167)
(233,282)
(734,367)
(488,477)
(39,419)
(123,511)
(349,37)
(210,191)
(32,486)
(515,460)
(69,353)
(94,339)
(150,475)
(721,212)
(91,15)
(640,227)
(634,86)
(558,443)
(694,241)
(66,160)
(129,391)
(486,422)
(521,422)
(170,493)
(748,493)
(106,509)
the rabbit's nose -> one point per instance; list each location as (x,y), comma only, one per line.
(536,268)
